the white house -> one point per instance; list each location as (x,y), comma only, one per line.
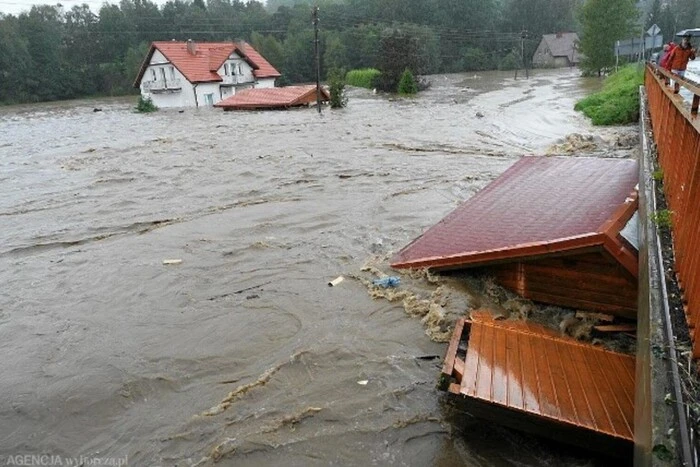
(189,74)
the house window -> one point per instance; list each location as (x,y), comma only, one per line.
(225,69)
(153,74)
(239,69)
(162,73)
(172,72)
(209,99)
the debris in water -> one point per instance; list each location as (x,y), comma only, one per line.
(228,446)
(172,261)
(363,382)
(292,419)
(240,391)
(386,282)
(250,297)
(336,281)
(427,357)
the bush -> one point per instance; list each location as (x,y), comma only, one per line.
(407,84)
(475,59)
(509,62)
(363,78)
(618,102)
(336,85)
(145,105)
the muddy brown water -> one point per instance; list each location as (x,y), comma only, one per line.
(242,353)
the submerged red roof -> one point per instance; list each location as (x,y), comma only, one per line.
(202,66)
(539,205)
(260,98)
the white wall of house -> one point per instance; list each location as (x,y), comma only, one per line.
(208,94)
(165,85)
(235,70)
(265,83)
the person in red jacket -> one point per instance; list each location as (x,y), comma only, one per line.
(678,59)
(668,48)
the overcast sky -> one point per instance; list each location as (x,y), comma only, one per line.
(17,6)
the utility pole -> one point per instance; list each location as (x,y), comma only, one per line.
(523,35)
(317,59)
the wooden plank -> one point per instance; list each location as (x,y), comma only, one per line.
(601,280)
(577,293)
(623,311)
(595,397)
(451,353)
(571,355)
(595,316)
(616,328)
(513,371)
(548,401)
(529,377)
(604,382)
(554,350)
(471,362)
(458,370)
(499,380)
(486,364)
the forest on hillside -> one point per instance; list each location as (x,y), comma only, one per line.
(50,53)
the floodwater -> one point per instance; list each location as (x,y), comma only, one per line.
(241,354)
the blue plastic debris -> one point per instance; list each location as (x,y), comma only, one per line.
(390,281)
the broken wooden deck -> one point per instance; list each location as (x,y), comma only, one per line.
(528,377)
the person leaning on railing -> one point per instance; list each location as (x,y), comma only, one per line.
(678,59)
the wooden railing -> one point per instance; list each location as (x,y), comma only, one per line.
(676,128)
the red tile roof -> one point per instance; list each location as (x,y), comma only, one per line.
(539,205)
(265,70)
(209,56)
(261,98)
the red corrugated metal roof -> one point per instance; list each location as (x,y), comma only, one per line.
(527,368)
(208,58)
(539,205)
(260,98)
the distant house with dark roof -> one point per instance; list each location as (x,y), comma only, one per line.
(557,50)
(190,74)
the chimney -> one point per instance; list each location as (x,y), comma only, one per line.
(191,47)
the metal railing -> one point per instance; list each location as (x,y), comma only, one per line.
(162,85)
(676,128)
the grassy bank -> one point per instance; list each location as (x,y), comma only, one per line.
(363,78)
(618,102)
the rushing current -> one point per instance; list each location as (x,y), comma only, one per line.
(238,352)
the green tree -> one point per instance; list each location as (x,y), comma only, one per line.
(407,84)
(406,46)
(336,85)
(15,61)
(335,54)
(605,22)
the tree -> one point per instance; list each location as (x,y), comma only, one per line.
(406,47)
(407,84)
(605,22)
(336,85)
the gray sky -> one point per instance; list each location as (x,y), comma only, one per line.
(17,6)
